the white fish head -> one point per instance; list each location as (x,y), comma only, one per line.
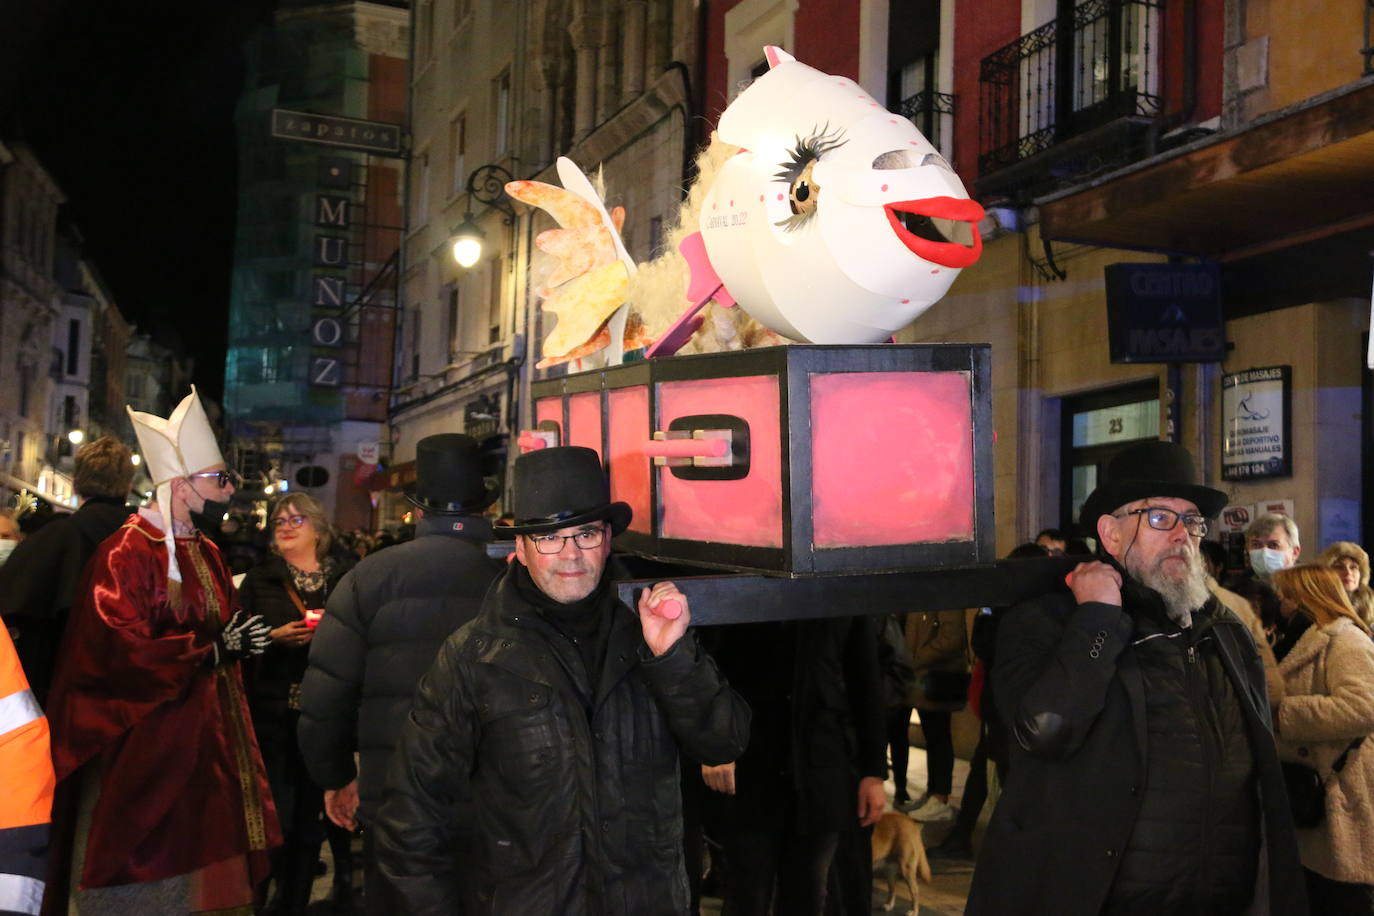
(838,222)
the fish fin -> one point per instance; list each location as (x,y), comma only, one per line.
(776,55)
(705,283)
(576,181)
(678,333)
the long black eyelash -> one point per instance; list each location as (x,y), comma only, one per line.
(823,140)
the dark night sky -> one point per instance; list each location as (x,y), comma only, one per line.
(130,105)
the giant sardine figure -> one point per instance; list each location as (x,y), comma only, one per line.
(834,221)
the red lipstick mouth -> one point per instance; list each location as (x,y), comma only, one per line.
(933,228)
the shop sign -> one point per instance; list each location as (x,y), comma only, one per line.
(345,133)
(1255,433)
(1234,519)
(1165,313)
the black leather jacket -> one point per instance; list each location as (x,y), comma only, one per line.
(520,788)
(1070,682)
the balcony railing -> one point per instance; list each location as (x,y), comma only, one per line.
(933,115)
(1068,77)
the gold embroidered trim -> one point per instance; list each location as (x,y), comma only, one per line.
(156,539)
(231,700)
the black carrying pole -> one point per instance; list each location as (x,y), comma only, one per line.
(724,599)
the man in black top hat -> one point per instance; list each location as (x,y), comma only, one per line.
(1144,777)
(382,628)
(538,770)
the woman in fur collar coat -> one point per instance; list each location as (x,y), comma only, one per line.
(1350,560)
(1328,705)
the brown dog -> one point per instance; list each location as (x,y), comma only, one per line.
(897,843)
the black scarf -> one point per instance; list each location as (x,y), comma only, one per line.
(585,623)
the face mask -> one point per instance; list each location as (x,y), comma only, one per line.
(210,517)
(1264,561)
(7,548)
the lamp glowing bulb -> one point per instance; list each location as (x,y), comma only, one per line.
(269,489)
(76,437)
(137,459)
(467,251)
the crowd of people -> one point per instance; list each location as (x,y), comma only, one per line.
(203,706)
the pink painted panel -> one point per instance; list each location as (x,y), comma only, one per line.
(584,421)
(746,511)
(629,430)
(551,409)
(892,458)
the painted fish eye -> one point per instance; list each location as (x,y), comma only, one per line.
(804,193)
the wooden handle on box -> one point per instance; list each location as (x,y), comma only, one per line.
(687,448)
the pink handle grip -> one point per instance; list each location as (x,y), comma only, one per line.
(530,442)
(686,448)
(671,609)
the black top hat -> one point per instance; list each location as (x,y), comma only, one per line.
(559,488)
(1153,468)
(448,476)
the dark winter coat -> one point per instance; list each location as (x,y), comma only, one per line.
(381,630)
(519,787)
(1070,682)
(38,583)
(815,689)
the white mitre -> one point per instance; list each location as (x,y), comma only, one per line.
(178,446)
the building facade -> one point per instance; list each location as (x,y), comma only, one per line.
(31,304)
(1221,142)
(612,85)
(312,315)
(1177,234)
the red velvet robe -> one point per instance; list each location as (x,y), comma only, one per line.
(183,784)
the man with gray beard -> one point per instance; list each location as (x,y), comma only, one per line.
(1144,777)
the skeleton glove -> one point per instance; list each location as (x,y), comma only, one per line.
(242,637)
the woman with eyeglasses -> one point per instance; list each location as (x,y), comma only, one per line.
(1323,722)
(290,589)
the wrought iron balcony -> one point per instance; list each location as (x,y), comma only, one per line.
(932,113)
(1067,78)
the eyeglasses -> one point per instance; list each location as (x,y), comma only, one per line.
(585,539)
(1162,519)
(295,521)
(222,479)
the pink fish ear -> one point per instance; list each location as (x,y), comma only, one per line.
(776,55)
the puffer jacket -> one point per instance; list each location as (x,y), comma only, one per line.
(520,788)
(382,627)
(1199,778)
(1329,701)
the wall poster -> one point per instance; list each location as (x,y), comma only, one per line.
(1255,418)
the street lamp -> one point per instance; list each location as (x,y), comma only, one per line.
(76,437)
(486,185)
(467,242)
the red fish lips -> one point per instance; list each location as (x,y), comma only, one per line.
(925,227)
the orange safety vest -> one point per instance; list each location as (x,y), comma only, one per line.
(26,776)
